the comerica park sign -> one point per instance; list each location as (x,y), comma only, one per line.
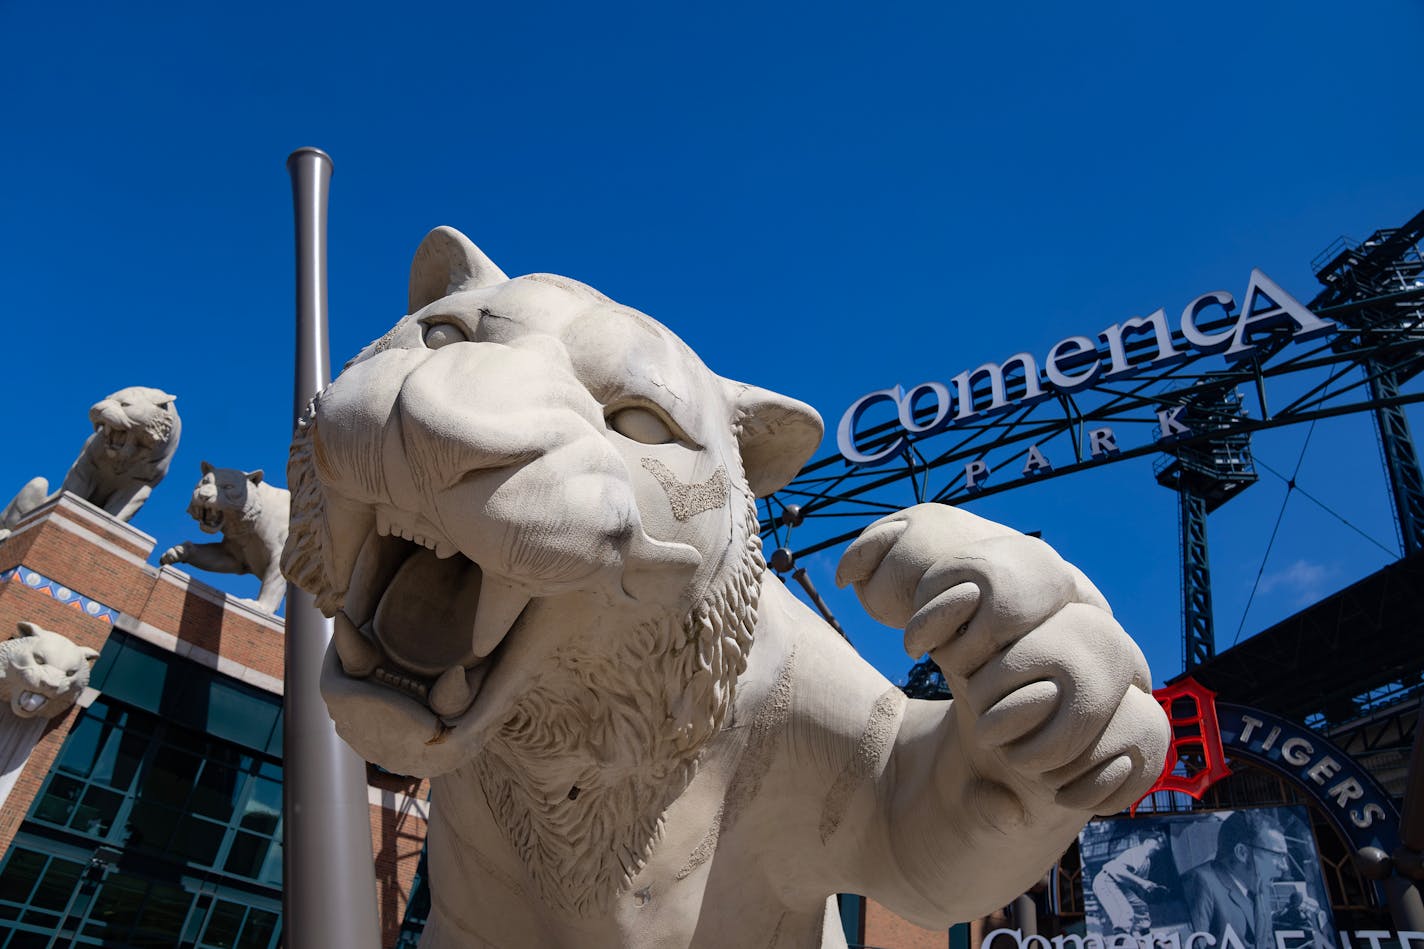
(1078,362)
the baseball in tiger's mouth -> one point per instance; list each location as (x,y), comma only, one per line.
(422,618)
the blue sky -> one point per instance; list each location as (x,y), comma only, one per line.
(823,199)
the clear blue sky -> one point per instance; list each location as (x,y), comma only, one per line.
(824,199)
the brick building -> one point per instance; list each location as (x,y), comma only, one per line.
(150,814)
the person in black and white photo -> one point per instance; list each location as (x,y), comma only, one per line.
(1234,888)
(1123,885)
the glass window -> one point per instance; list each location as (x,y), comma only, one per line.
(96,812)
(260,929)
(162,917)
(240,716)
(150,826)
(169,779)
(198,840)
(58,885)
(22,871)
(263,811)
(40,918)
(82,746)
(196,919)
(217,791)
(224,925)
(205,813)
(58,801)
(116,907)
(247,855)
(136,674)
(120,758)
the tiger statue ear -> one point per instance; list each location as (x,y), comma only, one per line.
(447,261)
(777,435)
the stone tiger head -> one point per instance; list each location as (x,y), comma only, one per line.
(137,423)
(42,672)
(226,499)
(524,482)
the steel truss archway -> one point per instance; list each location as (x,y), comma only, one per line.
(1197,413)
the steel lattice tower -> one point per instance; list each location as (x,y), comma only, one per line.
(1205,475)
(1383,268)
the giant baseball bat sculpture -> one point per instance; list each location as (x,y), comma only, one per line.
(329,881)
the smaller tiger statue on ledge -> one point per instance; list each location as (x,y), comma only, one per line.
(135,437)
(252,515)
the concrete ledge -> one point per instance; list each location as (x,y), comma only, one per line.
(81,512)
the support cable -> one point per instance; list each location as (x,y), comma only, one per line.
(1392,554)
(1290,487)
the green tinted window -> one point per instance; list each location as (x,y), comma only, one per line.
(201,816)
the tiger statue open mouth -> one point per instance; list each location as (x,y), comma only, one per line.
(511,463)
(41,672)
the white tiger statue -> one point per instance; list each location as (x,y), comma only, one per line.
(252,516)
(135,436)
(41,672)
(531,512)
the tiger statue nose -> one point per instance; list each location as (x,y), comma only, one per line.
(461,409)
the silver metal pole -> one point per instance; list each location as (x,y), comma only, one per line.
(329,877)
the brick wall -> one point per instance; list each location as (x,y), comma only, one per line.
(397,836)
(885,930)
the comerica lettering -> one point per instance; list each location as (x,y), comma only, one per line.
(1077,362)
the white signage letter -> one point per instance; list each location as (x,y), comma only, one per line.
(1251,724)
(973,472)
(1286,937)
(1113,336)
(1101,441)
(1167,424)
(1067,350)
(845,432)
(1207,939)
(1346,791)
(1291,751)
(907,407)
(1016,935)
(1324,768)
(1036,462)
(998,396)
(1207,342)
(1363,819)
(1373,935)
(1283,306)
